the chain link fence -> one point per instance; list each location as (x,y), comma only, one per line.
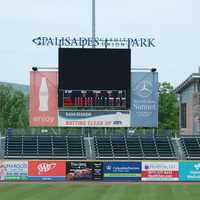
(89,132)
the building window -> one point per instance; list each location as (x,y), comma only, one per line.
(183,115)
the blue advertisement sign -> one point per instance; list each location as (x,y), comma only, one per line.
(189,171)
(144,99)
(124,171)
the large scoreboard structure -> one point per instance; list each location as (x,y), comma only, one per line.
(92,88)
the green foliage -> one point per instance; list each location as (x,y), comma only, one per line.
(168,107)
(13,108)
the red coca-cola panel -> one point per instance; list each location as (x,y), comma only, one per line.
(43,98)
(47,168)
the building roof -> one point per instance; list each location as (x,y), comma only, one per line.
(193,77)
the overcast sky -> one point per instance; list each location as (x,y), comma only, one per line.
(173,23)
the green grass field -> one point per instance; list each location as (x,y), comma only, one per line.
(84,191)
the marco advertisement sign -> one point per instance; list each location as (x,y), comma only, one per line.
(2,171)
(16,170)
(189,171)
(122,171)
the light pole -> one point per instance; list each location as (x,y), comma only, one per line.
(93,23)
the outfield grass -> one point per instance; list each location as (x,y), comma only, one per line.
(84,191)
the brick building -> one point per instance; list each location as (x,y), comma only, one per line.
(189,99)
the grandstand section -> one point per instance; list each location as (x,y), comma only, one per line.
(45,147)
(73,147)
(134,147)
(191,147)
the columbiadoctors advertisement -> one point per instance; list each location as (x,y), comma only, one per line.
(16,170)
(43,98)
(94,118)
(160,171)
(124,171)
(189,171)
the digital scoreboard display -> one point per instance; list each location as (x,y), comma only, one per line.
(94,78)
(93,88)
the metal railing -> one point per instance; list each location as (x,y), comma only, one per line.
(90,132)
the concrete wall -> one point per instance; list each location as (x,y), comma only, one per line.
(187,97)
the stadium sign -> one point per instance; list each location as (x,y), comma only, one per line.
(84,171)
(43,101)
(16,170)
(160,171)
(122,171)
(94,118)
(144,95)
(68,41)
(46,170)
(189,171)
(2,170)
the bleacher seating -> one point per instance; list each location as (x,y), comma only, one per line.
(164,147)
(137,147)
(134,147)
(76,147)
(72,147)
(191,147)
(149,147)
(60,147)
(103,148)
(45,147)
(110,147)
(30,144)
(13,146)
(119,147)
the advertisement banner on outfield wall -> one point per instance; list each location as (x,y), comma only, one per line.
(189,171)
(2,171)
(122,171)
(81,170)
(44,170)
(160,171)
(144,99)
(43,99)
(16,170)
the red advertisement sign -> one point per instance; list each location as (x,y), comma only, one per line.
(160,171)
(46,168)
(43,98)
(160,174)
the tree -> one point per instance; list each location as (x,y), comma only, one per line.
(13,108)
(168,107)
